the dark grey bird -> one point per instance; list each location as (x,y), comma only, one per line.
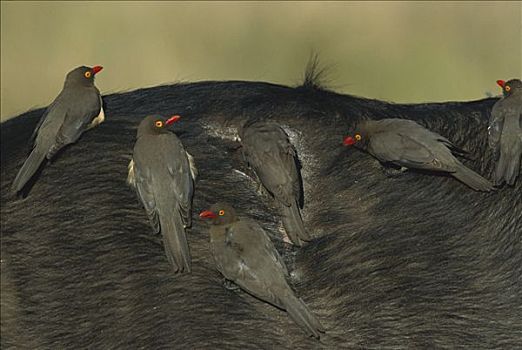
(268,151)
(404,143)
(163,174)
(76,109)
(505,132)
(246,256)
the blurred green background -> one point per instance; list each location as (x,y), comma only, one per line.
(396,51)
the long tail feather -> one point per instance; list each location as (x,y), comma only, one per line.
(508,166)
(175,242)
(472,179)
(293,224)
(301,314)
(31,165)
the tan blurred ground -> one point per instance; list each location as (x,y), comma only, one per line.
(405,52)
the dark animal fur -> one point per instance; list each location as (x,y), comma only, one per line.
(419,261)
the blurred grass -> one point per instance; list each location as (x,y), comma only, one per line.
(397,51)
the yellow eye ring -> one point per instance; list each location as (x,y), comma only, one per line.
(159,124)
(221,213)
(507,88)
(358,137)
(88,74)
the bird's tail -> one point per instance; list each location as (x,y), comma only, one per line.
(472,179)
(31,165)
(301,314)
(175,242)
(293,224)
(508,166)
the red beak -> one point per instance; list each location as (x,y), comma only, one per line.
(172,119)
(501,83)
(96,69)
(348,141)
(207,214)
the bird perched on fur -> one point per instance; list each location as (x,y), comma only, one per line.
(76,109)
(163,174)
(405,143)
(267,149)
(245,255)
(505,132)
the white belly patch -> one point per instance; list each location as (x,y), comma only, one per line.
(98,120)
(131,179)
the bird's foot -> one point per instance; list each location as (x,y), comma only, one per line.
(287,239)
(394,172)
(260,189)
(229,285)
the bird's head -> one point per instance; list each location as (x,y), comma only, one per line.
(219,214)
(352,140)
(156,125)
(360,136)
(83,76)
(510,87)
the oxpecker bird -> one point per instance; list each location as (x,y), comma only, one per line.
(406,144)
(268,151)
(163,174)
(505,132)
(77,108)
(246,256)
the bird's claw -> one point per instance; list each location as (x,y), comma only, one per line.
(229,285)
(394,172)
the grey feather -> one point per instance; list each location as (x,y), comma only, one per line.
(245,255)
(267,149)
(407,144)
(161,172)
(64,121)
(505,134)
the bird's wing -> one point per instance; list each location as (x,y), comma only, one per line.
(162,176)
(260,269)
(52,107)
(254,233)
(74,125)
(496,124)
(140,178)
(77,119)
(272,156)
(182,174)
(402,149)
(455,149)
(407,126)
(164,184)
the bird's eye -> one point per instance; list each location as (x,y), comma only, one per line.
(88,74)
(221,212)
(358,137)
(159,124)
(507,88)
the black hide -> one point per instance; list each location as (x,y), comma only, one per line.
(418,261)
